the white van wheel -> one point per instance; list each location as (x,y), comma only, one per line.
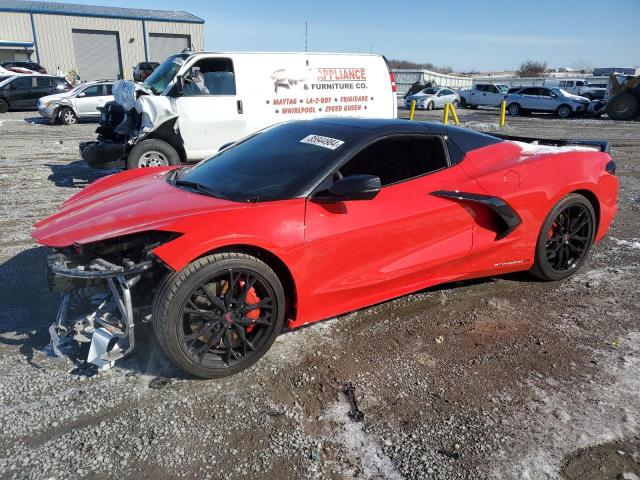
(152,153)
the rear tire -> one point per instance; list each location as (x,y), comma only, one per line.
(227,338)
(514,109)
(68,117)
(152,153)
(429,106)
(463,103)
(565,238)
(4,106)
(623,106)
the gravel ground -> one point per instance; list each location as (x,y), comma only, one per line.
(527,380)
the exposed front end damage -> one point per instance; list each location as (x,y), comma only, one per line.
(105,289)
(134,115)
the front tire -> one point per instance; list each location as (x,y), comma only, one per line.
(565,238)
(429,105)
(564,111)
(220,314)
(68,117)
(152,153)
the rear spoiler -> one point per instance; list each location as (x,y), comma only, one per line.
(602,145)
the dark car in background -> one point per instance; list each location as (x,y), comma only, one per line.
(33,66)
(143,70)
(22,92)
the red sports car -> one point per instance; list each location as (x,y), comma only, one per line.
(308,220)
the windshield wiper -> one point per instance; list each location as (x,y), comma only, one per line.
(200,188)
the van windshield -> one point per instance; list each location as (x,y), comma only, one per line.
(162,76)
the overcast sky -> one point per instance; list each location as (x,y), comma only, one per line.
(466,35)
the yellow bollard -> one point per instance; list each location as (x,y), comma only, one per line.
(454,114)
(503,112)
(445,117)
(412,110)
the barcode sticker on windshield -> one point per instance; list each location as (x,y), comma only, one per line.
(320,141)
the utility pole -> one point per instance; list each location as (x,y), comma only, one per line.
(306,36)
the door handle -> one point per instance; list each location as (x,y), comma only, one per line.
(240,109)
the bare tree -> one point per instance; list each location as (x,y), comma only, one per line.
(532,68)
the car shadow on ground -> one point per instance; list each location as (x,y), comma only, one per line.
(29,308)
(76,174)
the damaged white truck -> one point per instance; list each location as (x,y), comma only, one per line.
(195,103)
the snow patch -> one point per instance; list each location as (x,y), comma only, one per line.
(633,244)
(536,149)
(360,445)
(559,421)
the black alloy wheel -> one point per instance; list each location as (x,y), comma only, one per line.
(227,318)
(569,238)
(565,238)
(219,314)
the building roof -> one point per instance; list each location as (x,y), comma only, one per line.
(97,11)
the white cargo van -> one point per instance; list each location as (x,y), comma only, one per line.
(195,103)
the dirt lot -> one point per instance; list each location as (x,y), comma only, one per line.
(530,380)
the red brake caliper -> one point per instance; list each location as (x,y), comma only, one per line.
(252,298)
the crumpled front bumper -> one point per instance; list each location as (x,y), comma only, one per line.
(103,154)
(110,326)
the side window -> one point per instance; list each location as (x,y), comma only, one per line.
(481,88)
(544,92)
(43,82)
(570,83)
(563,84)
(211,76)
(493,89)
(528,91)
(108,89)
(580,83)
(93,91)
(398,158)
(24,82)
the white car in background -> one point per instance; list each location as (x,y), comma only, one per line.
(433,97)
(81,103)
(547,100)
(483,95)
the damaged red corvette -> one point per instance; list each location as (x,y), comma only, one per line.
(308,220)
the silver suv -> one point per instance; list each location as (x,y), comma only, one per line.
(81,103)
(543,99)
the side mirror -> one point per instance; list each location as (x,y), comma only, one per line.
(82,94)
(355,187)
(180,84)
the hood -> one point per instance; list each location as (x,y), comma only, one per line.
(55,96)
(577,98)
(129,202)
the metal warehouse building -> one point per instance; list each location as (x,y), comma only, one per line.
(103,42)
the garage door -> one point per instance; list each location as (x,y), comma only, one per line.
(97,54)
(162,45)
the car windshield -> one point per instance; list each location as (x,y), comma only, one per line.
(561,92)
(162,76)
(503,88)
(276,164)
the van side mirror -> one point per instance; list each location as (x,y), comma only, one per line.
(180,84)
(352,187)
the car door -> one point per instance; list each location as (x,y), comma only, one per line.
(528,98)
(21,91)
(476,95)
(395,242)
(210,111)
(88,100)
(547,100)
